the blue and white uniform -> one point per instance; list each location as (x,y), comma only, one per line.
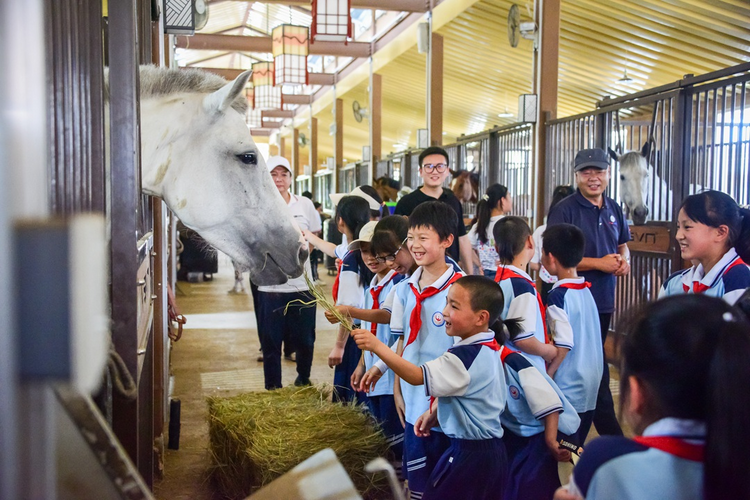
(522,302)
(469,384)
(430,342)
(573,323)
(728,279)
(532,395)
(616,467)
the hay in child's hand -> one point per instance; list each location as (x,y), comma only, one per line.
(319,297)
(257,437)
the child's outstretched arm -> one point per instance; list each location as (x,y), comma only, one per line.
(409,372)
(381,316)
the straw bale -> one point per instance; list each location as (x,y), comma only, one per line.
(256,437)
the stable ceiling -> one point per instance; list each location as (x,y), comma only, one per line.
(657,41)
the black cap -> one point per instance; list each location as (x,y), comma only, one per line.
(591,158)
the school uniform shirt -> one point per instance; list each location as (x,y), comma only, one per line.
(350,290)
(486,251)
(573,323)
(521,302)
(306,217)
(431,341)
(532,395)
(728,279)
(382,289)
(342,249)
(605,230)
(469,384)
(409,202)
(544,275)
(638,469)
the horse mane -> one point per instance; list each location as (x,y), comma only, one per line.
(156,81)
(390,182)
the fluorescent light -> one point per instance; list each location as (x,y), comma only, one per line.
(506,114)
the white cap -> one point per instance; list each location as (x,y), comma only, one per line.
(357,191)
(278,161)
(365,235)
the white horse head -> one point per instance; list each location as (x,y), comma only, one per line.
(634,181)
(197,155)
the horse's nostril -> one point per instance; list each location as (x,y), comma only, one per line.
(303,254)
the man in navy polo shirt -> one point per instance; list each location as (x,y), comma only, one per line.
(606,255)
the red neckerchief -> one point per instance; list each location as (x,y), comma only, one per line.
(503,273)
(335,291)
(575,286)
(415,320)
(674,446)
(699,287)
(375,292)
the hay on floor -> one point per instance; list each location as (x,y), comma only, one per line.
(257,437)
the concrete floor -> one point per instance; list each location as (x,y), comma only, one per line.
(217,356)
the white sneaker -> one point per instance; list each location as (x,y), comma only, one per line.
(320,282)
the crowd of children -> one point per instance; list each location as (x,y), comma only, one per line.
(482,390)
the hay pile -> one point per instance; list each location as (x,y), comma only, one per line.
(257,437)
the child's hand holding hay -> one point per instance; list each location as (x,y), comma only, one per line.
(343,311)
(369,379)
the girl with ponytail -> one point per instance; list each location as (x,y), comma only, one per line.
(490,209)
(713,233)
(684,383)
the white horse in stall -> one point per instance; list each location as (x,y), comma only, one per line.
(197,155)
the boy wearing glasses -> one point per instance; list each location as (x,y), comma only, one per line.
(434,169)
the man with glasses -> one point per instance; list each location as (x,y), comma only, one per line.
(606,255)
(434,170)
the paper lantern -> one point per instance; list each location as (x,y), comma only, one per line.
(266,95)
(331,21)
(290,48)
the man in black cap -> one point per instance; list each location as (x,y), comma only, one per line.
(606,255)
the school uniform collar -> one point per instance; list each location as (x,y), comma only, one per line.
(375,283)
(584,202)
(572,281)
(477,338)
(695,273)
(677,427)
(439,283)
(517,270)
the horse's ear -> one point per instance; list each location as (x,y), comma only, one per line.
(646,149)
(222,99)
(612,154)
(454,173)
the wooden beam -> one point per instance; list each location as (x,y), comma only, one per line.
(545,85)
(234,43)
(282,147)
(260,132)
(295,98)
(231,74)
(398,5)
(295,152)
(273,124)
(376,115)
(436,90)
(338,148)
(313,151)
(277,113)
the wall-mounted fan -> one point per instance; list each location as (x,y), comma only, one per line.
(200,11)
(302,140)
(514,25)
(359,111)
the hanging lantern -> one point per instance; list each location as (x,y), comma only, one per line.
(254,118)
(290,47)
(331,21)
(266,95)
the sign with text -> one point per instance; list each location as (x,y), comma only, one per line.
(654,239)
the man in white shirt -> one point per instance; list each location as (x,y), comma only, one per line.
(297,325)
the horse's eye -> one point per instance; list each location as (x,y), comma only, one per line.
(248,158)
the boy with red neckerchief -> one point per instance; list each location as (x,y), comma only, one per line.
(515,248)
(417,317)
(573,321)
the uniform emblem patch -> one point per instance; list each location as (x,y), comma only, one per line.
(514,392)
(437,319)
(612,219)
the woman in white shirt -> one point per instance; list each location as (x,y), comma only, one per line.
(490,209)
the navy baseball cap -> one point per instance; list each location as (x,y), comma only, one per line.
(591,158)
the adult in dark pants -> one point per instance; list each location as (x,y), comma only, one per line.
(606,255)
(294,324)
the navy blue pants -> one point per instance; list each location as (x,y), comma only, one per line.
(383,409)
(421,455)
(475,469)
(605,419)
(298,324)
(342,375)
(532,470)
